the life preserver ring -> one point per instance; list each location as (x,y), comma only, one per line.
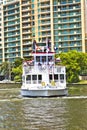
(43,83)
(53,83)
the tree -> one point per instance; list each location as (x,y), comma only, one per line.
(18,62)
(5,69)
(17,69)
(75,63)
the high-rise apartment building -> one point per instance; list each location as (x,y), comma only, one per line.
(63,22)
(69,25)
(12,39)
(1,35)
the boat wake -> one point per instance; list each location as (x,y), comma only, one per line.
(75,97)
(26,98)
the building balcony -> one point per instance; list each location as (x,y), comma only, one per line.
(45,1)
(27,54)
(12,40)
(27,49)
(26,20)
(26,32)
(69,21)
(45,17)
(10,45)
(12,8)
(26,15)
(24,25)
(25,3)
(45,23)
(11,30)
(68,27)
(45,5)
(69,34)
(26,9)
(27,43)
(26,37)
(68,10)
(73,15)
(11,19)
(10,51)
(14,24)
(12,14)
(64,3)
(69,40)
(69,45)
(12,35)
(44,12)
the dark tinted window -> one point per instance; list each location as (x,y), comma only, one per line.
(28,77)
(34,77)
(55,76)
(39,77)
(61,76)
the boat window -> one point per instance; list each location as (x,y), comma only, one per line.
(50,76)
(49,58)
(61,76)
(55,76)
(28,77)
(23,78)
(39,77)
(34,77)
(43,58)
(59,69)
(37,58)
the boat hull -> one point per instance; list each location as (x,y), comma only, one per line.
(44,93)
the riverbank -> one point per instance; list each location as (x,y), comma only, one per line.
(10,85)
(81,83)
(74,89)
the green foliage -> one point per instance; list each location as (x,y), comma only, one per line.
(17,78)
(4,69)
(17,62)
(75,62)
(13,69)
(17,71)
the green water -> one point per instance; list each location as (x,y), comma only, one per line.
(61,113)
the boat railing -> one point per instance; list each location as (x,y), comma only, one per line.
(28,82)
(43,68)
(34,81)
(62,81)
(57,81)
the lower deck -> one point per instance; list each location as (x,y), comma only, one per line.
(44,79)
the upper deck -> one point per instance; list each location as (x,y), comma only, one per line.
(43,57)
(41,63)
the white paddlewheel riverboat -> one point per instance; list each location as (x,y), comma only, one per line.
(42,77)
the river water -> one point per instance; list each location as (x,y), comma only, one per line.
(60,113)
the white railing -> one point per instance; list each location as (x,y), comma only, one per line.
(43,68)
